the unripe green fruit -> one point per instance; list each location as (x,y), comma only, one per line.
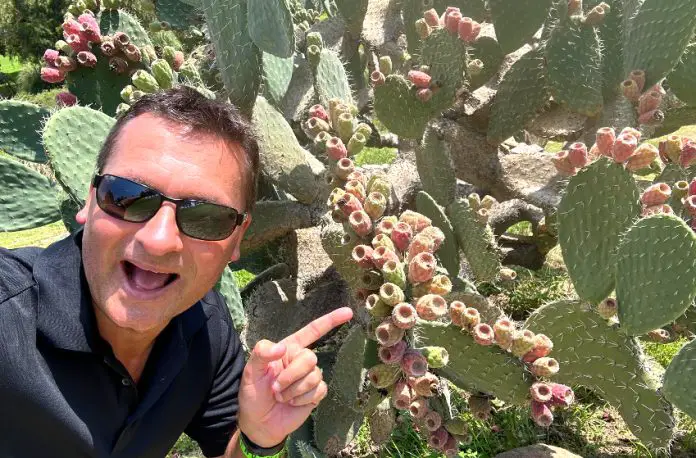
(145,81)
(163,73)
(437,356)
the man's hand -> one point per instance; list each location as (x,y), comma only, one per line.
(282,384)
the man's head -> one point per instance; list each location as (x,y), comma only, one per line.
(184,146)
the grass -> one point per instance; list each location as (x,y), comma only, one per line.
(371,155)
(42,236)
(9,65)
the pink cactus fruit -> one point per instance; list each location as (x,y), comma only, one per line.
(624,147)
(419,79)
(542,347)
(470,318)
(483,334)
(87,59)
(452,22)
(377,78)
(71,27)
(435,234)
(522,342)
(362,255)
(690,205)
(414,363)
(448,11)
(402,396)
(692,188)
(431,18)
(656,194)
(438,437)
(541,414)
(577,155)
(562,164)
(663,209)
(433,420)
(393,353)
(88,18)
(404,315)
(419,245)
(178,60)
(318,111)
(336,149)
(360,222)
(544,367)
(642,157)
(359,176)
(419,407)
(401,235)
(416,220)
(426,385)
(639,77)
(630,130)
(456,312)
(541,392)
(688,154)
(504,330)
(468,29)
(66,99)
(382,254)
(348,204)
(90,32)
(77,42)
(50,56)
(424,94)
(386,225)
(651,118)
(52,75)
(388,334)
(630,90)
(422,267)
(649,101)
(431,307)
(561,395)
(606,136)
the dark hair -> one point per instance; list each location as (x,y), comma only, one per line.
(186,106)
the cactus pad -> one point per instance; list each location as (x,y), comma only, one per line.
(27,198)
(270,26)
(177,13)
(476,240)
(112,21)
(348,372)
(277,73)
(282,157)
(236,55)
(600,203)
(522,93)
(338,246)
(475,367)
(488,51)
(73,137)
(227,286)
(516,22)
(682,79)
(611,35)
(19,125)
(448,253)
(574,60)
(679,378)
(446,56)
(608,362)
(353,11)
(435,169)
(655,273)
(398,108)
(658,35)
(330,80)
(68,211)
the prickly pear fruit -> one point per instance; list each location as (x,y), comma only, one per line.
(651,118)
(504,330)
(688,154)
(642,157)
(357,189)
(423,29)
(649,101)
(505,273)
(607,309)
(376,307)
(630,90)
(393,271)
(656,194)
(419,245)
(377,78)
(468,29)
(86,59)
(391,294)
(362,255)
(426,385)
(658,335)
(360,222)
(597,14)
(433,420)
(383,376)
(624,147)
(439,284)
(348,204)
(457,427)
(522,343)
(562,164)
(388,334)
(71,27)
(542,347)
(483,334)
(401,235)
(385,65)
(414,363)
(639,77)
(108,48)
(456,312)
(66,99)
(419,407)
(404,315)
(422,267)
(379,184)
(544,367)
(541,414)
(431,17)
(375,205)
(480,407)
(335,149)
(383,254)
(577,155)
(382,240)
(356,143)
(392,354)
(318,111)
(470,318)
(52,75)
(437,356)
(438,438)
(402,396)
(475,67)
(541,392)
(657,210)
(431,307)
(561,395)
(424,94)
(50,56)
(419,79)
(606,136)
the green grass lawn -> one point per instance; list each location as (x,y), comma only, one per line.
(9,65)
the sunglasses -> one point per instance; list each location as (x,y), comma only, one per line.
(136,203)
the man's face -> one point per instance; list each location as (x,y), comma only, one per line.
(119,256)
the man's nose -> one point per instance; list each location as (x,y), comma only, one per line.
(160,235)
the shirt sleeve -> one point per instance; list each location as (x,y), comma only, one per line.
(215,422)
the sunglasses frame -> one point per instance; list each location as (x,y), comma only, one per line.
(98,177)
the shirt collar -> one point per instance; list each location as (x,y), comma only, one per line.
(65,315)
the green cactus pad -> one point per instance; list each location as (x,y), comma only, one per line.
(353,11)
(596,356)
(330,80)
(339,245)
(227,286)
(574,61)
(19,126)
(488,51)
(112,21)
(448,253)
(68,211)
(611,35)
(476,241)
(600,204)
(522,93)
(671,174)
(398,108)
(304,450)
(335,424)
(236,55)
(277,73)
(436,169)
(658,35)
(446,56)
(675,119)
(475,367)
(270,26)
(27,198)
(178,14)
(282,158)
(73,137)
(678,385)
(682,80)
(655,273)
(516,22)
(348,373)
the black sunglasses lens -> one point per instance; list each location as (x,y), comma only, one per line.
(207,221)
(127,200)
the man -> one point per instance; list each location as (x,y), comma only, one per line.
(112,340)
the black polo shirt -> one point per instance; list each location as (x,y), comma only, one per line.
(64,394)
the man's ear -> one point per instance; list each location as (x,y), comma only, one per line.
(240,236)
(81,216)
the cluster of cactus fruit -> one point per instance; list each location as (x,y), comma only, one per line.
(647,103)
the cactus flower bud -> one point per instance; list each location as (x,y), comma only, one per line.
(577,155)
(118,65)
(468,29)
(404,315)
(544,367)
(393,354)
(419,79)
(649,101)
(383,376)
(362,255)
(504,330)
(419,407)
(375,204)
(377,78)
(630,90)
(561,395)
(414,364)
(483,334)
(86,59)
(393,271)
(431,307)
(356,143)
(642,157)
(65,99)
(656,194)
(383,254)
(437,356)
(522,343)
(431,17)
(423,29)
(50,56)
(541,414)
(542,347)
(391,294)
(52,75)
(480,407)
(376,307)
(624,147)
(639,77)
(349,204)
(456,312)
(433,420)
(401,397)
(422,267)
(541,392)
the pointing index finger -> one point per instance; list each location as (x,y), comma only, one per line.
(319,327)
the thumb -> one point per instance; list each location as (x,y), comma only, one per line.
(264,353)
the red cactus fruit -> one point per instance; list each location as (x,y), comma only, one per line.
(562,396)
(404,315)
(417,221)
(656,194)
(318,111)
(649,101)
(419,79)
(418,245)
(688,154)
(433,420)
(108,48)
(431,307)
(50,56)
(377,78)
(86,59)
(483,334)
(426,385)
(424,94)
(452,22)
(77,42)
(577,155)
(456,311)
(121,40)
(468,29)
(348,204)
(362,255)
(336,149)
(642,157)
(438,438)
(545,367)
(541,414)
(386,225)
(630,90)
(392,354)
(431,18)
(402,396)
(52,75)
(419,407)
(504,330)
(91,32)
(401,235)
(562,164)
(66,99)
(663,209)
(388,334)
(652,118)
(542,347)
(433,233)
(606,136)
(541,392)
(360,222)
(692,188)
(381,255)
(414,363)
(71,27)
(690,205)
(422,267)
(178,60)
(89,19)
(624,147)
(639,77)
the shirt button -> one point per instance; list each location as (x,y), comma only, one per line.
(125,382)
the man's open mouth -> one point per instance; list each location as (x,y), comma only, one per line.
(147,280)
